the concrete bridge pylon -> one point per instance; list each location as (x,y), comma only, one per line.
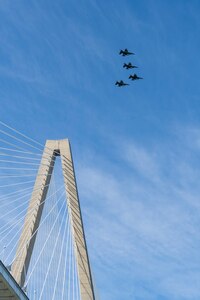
(54,148)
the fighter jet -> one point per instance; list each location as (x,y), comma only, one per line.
(129,66)
(134,77)
(125,52)
(121,83)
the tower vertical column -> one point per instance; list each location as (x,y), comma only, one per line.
(80,248)
(20,265)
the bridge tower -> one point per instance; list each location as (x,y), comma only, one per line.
(54,148)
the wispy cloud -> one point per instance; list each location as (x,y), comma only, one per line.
(146,230)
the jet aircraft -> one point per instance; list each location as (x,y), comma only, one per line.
(129,66)
(121,83)
(125,52)
(134,77)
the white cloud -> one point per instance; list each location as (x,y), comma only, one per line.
(147,228)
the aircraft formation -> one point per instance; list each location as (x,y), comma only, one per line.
(127,66)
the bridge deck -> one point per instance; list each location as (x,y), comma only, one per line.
(9,289)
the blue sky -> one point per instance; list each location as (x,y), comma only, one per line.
(136,149)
